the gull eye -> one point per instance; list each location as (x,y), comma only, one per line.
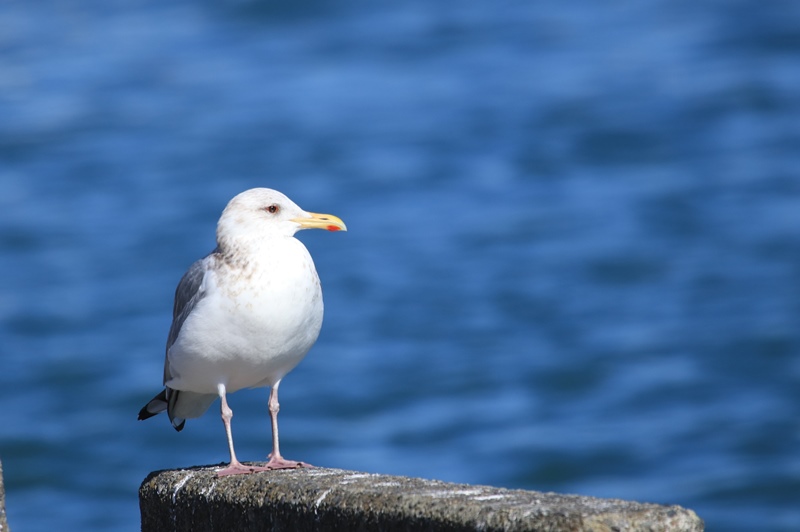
(272,209)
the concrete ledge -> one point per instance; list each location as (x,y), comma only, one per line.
(3,522)
(330,499)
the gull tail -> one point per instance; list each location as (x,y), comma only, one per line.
(165,400)
(179,405)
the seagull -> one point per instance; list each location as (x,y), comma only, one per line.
(244,316)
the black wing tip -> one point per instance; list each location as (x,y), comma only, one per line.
(159,403)
(155,406)
(144,414)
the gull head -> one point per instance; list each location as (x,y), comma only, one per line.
(260,212)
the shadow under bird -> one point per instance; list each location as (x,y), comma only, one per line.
(244,316)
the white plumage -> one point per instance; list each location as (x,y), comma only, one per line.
(245,315)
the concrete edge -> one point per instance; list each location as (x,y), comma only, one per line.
(321,499)
(3,521)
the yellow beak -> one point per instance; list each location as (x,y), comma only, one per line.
(321,221)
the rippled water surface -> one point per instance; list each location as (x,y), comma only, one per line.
(573,258)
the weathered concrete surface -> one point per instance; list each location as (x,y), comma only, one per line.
(331,499)
(3,522)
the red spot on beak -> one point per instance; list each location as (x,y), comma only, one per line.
(334,228)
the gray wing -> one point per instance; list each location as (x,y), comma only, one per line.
(187,295)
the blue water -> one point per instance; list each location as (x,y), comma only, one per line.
(573,258)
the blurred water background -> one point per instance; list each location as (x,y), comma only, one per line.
(573,260)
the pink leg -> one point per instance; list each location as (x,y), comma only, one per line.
(276,461)
(235,467)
